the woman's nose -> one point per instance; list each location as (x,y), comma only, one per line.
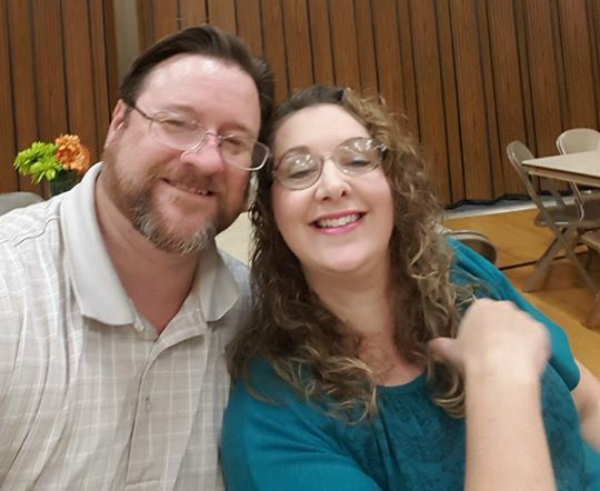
(332,183)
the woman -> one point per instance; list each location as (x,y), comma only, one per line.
(354,374)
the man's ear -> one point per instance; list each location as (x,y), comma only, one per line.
(118,120)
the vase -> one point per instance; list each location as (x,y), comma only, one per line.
(63,181)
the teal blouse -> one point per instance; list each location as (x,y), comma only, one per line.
(287,443)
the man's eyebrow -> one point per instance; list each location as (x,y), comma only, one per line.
(232,127)
(177,107)
(237,128)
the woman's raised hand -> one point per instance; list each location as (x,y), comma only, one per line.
(496,338)
(502,352)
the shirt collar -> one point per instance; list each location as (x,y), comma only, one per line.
(97,286)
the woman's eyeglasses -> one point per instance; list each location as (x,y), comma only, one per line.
(300,169)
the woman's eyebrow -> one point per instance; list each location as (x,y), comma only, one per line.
(299,148)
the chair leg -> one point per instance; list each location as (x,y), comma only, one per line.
(593,319)
(542,267)
(592,260)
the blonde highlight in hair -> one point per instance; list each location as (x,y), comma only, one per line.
(307,345)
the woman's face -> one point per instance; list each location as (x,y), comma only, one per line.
(342,223)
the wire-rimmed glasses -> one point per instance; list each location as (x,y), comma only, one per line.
(189,135)
(300,169)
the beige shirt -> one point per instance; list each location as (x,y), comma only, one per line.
(91,398)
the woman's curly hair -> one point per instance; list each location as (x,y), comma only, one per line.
(306,344)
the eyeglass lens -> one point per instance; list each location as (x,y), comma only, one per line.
(185,134)
(301,169)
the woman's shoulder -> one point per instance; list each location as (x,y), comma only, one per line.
(262,387)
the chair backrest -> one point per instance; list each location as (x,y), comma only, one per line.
(17,199)
(518,152)
(477,241)
(578,140)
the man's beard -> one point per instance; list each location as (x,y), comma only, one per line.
(148,223)
(135,203)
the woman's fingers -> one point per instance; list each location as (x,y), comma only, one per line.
(496,336)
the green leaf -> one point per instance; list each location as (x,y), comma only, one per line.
(38,161)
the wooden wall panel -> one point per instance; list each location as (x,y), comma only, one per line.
(48,56)
(577,62)
(407,66)
(191,13)
(57,75)
(509,95)
(105,72)
(543,69)
(387,48)
(594,22)
(274,44)
(345,47)
(526,86)
(450,109)
(320,37)
(8,177)
(471,75)
(249,25)
(297,43)
(223,14)
(491,115)
(166,19)
(23,93)
(79,73)
(471,98)
(365,39)
(430,93)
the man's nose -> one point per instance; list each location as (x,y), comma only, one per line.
(206,155)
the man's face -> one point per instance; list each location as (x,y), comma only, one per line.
(180,199)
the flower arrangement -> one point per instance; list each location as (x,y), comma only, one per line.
(64,161)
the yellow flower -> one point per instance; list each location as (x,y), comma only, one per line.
(72,154)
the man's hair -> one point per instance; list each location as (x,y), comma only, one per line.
(206,41)
(298,335)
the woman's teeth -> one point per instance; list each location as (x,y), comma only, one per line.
(337,222)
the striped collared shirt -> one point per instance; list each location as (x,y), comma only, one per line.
(91,398)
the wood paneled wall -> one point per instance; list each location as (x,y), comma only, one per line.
(57,75)
(471,75)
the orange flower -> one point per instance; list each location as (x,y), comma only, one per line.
(72,154)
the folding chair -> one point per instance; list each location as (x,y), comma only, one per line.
(17,199)
(566,221)
(592,240)
(579,140)
(477,241)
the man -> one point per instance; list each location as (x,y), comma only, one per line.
(115,306)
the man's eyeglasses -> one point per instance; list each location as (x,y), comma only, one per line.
(187,134)
(300,169)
